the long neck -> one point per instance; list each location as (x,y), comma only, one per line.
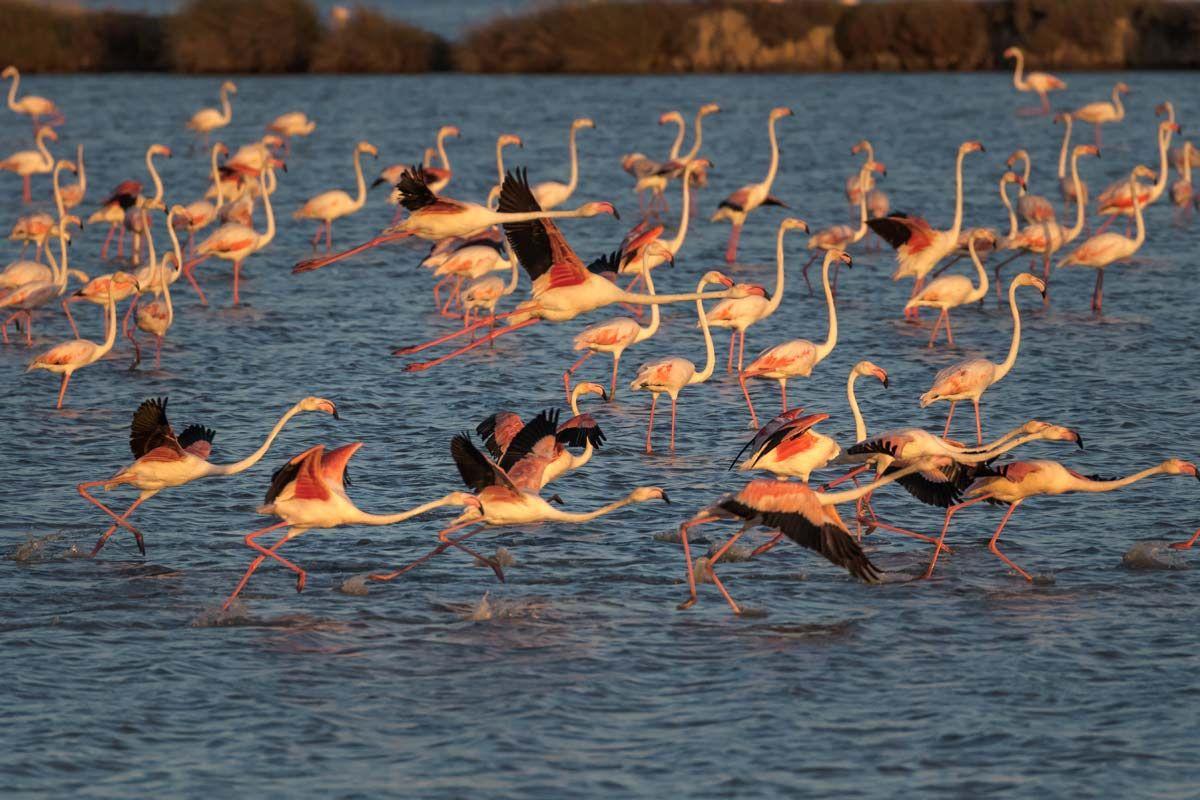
(1077,228)
(501,217)
(441,149)
(162,272)
(586,456)
(269,234)
(638,299)
(82,172)
(710,355)
(59,205)
(1164,142)
(1085,485)
(1012,216)
(574,179)
(826,347)
(777,295)
(158,187)
(699,137)
(1187,162)
(860,425)
(958,195)
(849,496)
(1028,169)
(226,109)
(252,459)
(41,146)
(771,170)
(995,450)
(980,291)
(1004,368)
(500,161)
(678,143)
(12,92)
(1116,101)
(1137,216)
(651,329)
(1018,77)
(361,198)
(862,206)
(685,212)
(567,516)
(1062,153)
(110,338)
(216,178)
(363,518)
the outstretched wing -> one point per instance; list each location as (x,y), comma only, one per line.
(580,431)
(768,433)
(898,228)
(538,244)
(498,431)
(537,438)
(412,190)
(150,428)
(197,440)
(477,470)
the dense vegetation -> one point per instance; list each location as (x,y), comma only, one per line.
(633,36)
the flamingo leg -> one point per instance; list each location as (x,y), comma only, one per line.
(687,556)
(119,520)
(996,550)
(949,416)
(978,423)
(674,403)
(570,373)
(444,537)
(418,366)
(770,544)
(316,237)
(188,270)
(1099,306)
(311,264)
(137,350)
(851,475)
(804,272)
(732,337)
(717,557)
(741,348)
(62,390)
(949,332)
(873,521)
(735,233)
(437,299)
(445,544)
(1188,544)
(937,325)
(158,340)
(783,394)
(950,512)
(258,561)
(650,424)
(612,390)
(26,190)
(113,528)
(328,235)
(107,240)
(749,402)
(416,348)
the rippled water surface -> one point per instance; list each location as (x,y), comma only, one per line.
(578,677)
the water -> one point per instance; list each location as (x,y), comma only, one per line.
(578,677)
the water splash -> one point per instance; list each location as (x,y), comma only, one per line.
(1154,554)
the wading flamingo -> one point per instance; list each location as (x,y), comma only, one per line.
(1103,112)
(163,460)
(136,219)
(970,378)
(157,316)
(73,193)
(1117,199)
(309,492)
(199,214)
(797,358)
(63,359)
(952,291)
(838,237)
(863,181)
(1012,484)
(437,177)
(647,171)
(918,246)
(554,193)
(125,196)
(1032,207)
(32,105)
(661,250)
(335,204)
(501,502)
(1183,193)
(738,205)
(1040,83)
(1065,184)
(291,124)
(738,314)
(1103,249)
(671,374)
(234,242)
(28,163)
(207,120)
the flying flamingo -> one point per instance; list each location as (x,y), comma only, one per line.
(1041,83)
(125,196)
(1103,112)
(970,378)
(1032,207)
(163,460)
(797,358)
(291,124)
(554,193)
(952,291)
(437,177)
(1012,484)
(738,205)
(1065,184)
(234,242)
(536,453)
(671,374)
(918,246)
(31,104)
(335,204)
(1103,249)
(738,314)
(615,335)
(207,120)
(1117,199)
(28,163)
(157,316)
(63,359)
(434,218)
(807,517)
(501,503)
(635,260)
(839,237)
(309,492)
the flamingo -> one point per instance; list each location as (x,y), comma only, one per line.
(553,193)
(738,205)
(207,120)
(157,316)
(437,177)
(309,492)
(1183,194)
(1041,83)
(918,246)
(1032,207)
(28,163)
(335,204)
(798,357)
(970,378)
(1103,249)
(116,287)
(614,336)
(1103,112)
(484,292)
(434,218)
(1065,184)
(37,227)
(473,260)
(501,502)
(291,124)
(125,196)
(740,313)
(136,219)
(863,182)
(634,259)
(536,453)
(807,517)
(952,291)
(73,193)
(646,171)
(63,359)
(199,214)
(1117,199)
(839,237)
(163,460)
(1014,483)
(31,104)
(671,374)
(234,242)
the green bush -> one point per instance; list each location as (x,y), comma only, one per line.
(370,42)
(243,36)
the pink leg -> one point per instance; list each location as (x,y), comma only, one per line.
(770,544)
(119,520)
(805,271)
(949,333)
(311,264)
(26,192)
(650,424)
(445,544)
(188,270)
(612,391)
(950,512)
(950,416)
(937,325)
(329,236)
(418,366)
(257,562)
(978,423)
(571,372)
(717,557)
(1188,544)
(107,240)
(687,557)
(732,337)
(741,349)
(404,351)
(674,402)
(113,528)
(749,402)
(783,394)
(992,544)
(735,233)
(158,340)
(62,391)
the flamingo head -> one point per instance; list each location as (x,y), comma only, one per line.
(582,122)
(983,236)
(658,248)
(1087,150)
(220,149)
(229,86)
(598,208)
(122,283)
(859,146)
(781,112)
(1122,88)
(644,494)
(793,223)
(1015,157)
(833,254)
(697,165)
(867,369)
(272,140)
(878,166)
(1061,116)
(466,500)
(1166,107)
(1012,177)
(63,163)
(507,138)
(670,116)
(1168,125)
(1177,466)
(1059,433)
(1142,171)
(587,387)
(367,147)
(178,211)
(319,404)
(1012,52)
(708,108)
(716,276)
(9,72)
(46,132)
(1029,279)
(629,159)
(159,150)
(972,146)
(449,130)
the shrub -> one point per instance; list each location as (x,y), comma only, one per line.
(243,36)
(370,42)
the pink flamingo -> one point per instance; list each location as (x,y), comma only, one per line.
(234,242)
(1040,83)
(32,105)
(28,163)
(438,178)
(1117,199)
(1103,249)
(1032,207)
(952,291)
(554,193)
(738,205)
(157,316)
(1103,112)
(536,453)
(125,196)
(207,120)
(335,204)
(1066,185)
(661,250)
(1183,193)
(291,125)
(839,237)
(65,358)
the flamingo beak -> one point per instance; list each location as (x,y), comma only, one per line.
(666,499)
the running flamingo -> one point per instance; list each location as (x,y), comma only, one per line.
(536,453)
(31,104)
(1103,249)
(1014,483)
(1103,112)
(738,205)
(554,193)
(163,460)
(797,358)
(309,492)
(952,291)
(28,163)
(335,204)
(970,378)
(207,120)
(1041,83)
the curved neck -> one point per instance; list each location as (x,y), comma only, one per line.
(1085,485)
(252,459)
(678,143)
(1164,142)
(500,161)
(1012,216)
(12,92)
(269,234)
(158,187)
(41,146)
(1116,101)
(774,167)
(110,338)
(1008,363)
(710,355)
(441,150)
(826,347)
(860,425)
(685,212)
(863,177)
(1025,174)
(651,329)
(81,172)
(1018,77)
(568,516)
(996,449)
(574,155)
(958,195)
(835,498)
(1066,142)
(59,204)
(226,108)
(586,456)
(699,137)
(363,518)
(162,272)
(1187,162)
(980,291)
(361,183)
(777,295)
(1077,228)
(1140,238)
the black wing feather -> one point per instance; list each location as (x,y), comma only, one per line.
(529,240)
(487,432)
(414,190)
(196,433)
(281,477)
(543,425)
(890,229)
(581,431)
(150,428)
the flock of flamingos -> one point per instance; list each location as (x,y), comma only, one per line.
(477,254)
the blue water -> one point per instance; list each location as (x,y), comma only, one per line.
(578,677)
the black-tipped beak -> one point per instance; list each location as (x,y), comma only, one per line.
(982,149)
(666,499)
(377,182)
(1078,439)
(604,394)
(616,214)
(555,499)
(885,383)
(336,415)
